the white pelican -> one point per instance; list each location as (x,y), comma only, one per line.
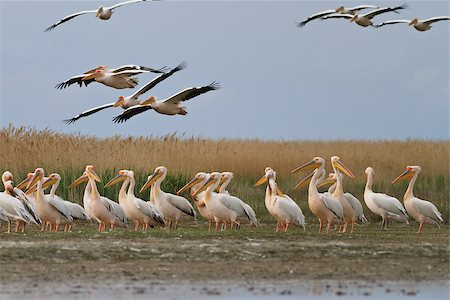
(250,214)
(340,9)
(327,209)
(118,78)
(366,19)
(169,106)
(352,200)
(103,13)
(422,211)
(280,205)
(387,207)
(49,211)
(133,99)
(12,208)
(419,25)
(76,211)
(96,206)
(138,211)
(173,207)
(195,184)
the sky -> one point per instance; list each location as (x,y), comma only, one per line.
(328,80)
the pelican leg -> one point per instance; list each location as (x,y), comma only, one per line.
(23,227)
(385,224)
(9,226)
(217,225)
(136,225)
(286,226)
(328,227)
(382,225)
(99,227)
(17,225)
(320,226)
(420,228)
(176,224)
(353,227)
(56,227)
(111,226)
(209,225)
(43,226)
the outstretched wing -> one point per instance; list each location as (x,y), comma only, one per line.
(138,68)
(88,112)
(316,16)
(67,18)
(383,10)
(361,7)
(192,92)
(130,112)
(126,2)
(391,22)
(158,79)
(338,16)
(436,19)
(72,80)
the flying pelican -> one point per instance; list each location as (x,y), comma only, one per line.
(327,209)
(95,205)
(195,184)
(103,13)
(366,19)
(169,106)
(173,207)
(422,211)
(352,200)
(387,207)
(49,211)
(118,78)
(419,25)
(127,102)
(138,211)
(76,211)
(340,9)
(280,205)
(12,208)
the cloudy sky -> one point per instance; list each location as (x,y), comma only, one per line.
(328,80)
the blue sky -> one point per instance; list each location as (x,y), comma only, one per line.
(328,80)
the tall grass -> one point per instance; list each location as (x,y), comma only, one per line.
(23,149)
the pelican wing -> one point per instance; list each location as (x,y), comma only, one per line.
(127,73)
(148,210)
(389,204)
(181,204)
(316,16)
(67,18)
(157,80)
(383,10)
(59,206)
(72,80)
(332,205)
(130,112)
(361,7)
(3,215)
(137,68)
(428,209)
(125,2)
(28,205)
(191,93)
(436,19)
(115,209)
(76,211)
(338,16)
(88,112)
(357,207)
(235,204)
(391,22)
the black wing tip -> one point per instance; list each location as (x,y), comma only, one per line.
(214,85)
(301,24)
(181,66)
(119,119)
(49,28)
(70,121)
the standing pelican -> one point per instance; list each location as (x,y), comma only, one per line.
(340,9)
(12,208)
(366,19)
(117,78)
(103,13)
(173,207)
(170,106)
(138,211)
(387,207)
(327,209)
(280,205)
(133,99)
(419,25)
(422,211)
(95,206)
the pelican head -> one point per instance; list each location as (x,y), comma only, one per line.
(79,180)
(413,22)
(7,175)
(91,173)
(340,9)
(315,163)
(99,11)
(123,174)
(369,170)
(268,173)
(159,172)
(354,18)
(120,102)
(9,188)
(199,177)
(24,182)
(213,178)
(51,180)
(95,74)
(409,172)
(37,175)
(150,100)
(337,163)
(332,178)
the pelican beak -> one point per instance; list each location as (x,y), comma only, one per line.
(191,183)
(339,165)
(151,179)
(119,178)
(36,177)
(50,181)
(91,76)
(207,184)
(81,179)
(118,102)
(305,181)
(308,166)
(279,192)
(92,174)
(326,182)
(353,18)
(23,183)
(222,180)
(261,180)
(405,175)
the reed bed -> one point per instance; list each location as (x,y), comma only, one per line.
(25,148)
